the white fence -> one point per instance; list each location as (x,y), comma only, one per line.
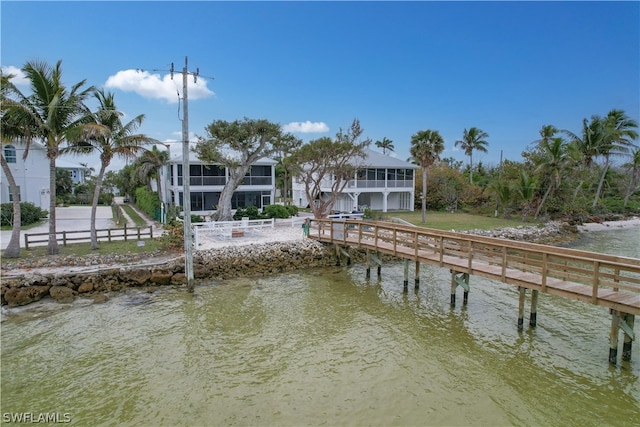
(229,229)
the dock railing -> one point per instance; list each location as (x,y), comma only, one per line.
(601,279)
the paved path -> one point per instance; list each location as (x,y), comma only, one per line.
(70,218)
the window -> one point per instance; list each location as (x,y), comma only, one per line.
(213,175)
(11,195)
(258,175)
(10,153)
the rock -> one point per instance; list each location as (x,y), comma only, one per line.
(100,298)
(139,276)
(23,296)
(161,277)
(85,287)
(61,293)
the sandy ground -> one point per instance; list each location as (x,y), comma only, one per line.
(284,231)
(610,225)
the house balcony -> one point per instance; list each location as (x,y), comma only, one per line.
(380,183)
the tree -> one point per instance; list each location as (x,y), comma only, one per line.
(10,132)
(552,165)
(585,147)
(49,114)
(64,184)
(287,145)
(385,144)
(618,133)
(634,175)
(526,188)
(426,147)
(237,145)
(473,140)
(502,191)
(324,160)
(108,136)
(149,165)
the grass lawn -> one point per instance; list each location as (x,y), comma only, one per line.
(104,248)
(457,221)
(140,222)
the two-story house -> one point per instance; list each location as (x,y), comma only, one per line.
(206,181)
(78,171)
(31,174)
(380,183)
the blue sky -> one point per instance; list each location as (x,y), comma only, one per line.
(399,67)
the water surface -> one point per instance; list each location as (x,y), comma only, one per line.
(322,347)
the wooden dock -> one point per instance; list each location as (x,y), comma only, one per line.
(600,279)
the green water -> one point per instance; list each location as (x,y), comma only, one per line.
(321,347)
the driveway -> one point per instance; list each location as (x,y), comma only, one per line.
(71,218)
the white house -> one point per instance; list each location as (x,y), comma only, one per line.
(31,174)
(380,183)
(78,171)
(206,182)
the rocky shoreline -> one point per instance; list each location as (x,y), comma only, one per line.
(217,264)
(66,278)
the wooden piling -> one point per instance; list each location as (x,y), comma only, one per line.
(628,339)
(613,337)
(368,264)
(523,292)
(406,275)
(533,316)
(453,288)
(337,255)
(417,279)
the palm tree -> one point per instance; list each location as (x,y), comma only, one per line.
(585,147)
(554,160)
(109,137)
(426,147)
(502,191)
(10,132)
(385,144)
(473,140)
(634,174)
(149,165)
(618,133)
(527,189)
(50,113)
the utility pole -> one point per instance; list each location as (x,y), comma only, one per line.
(186,198)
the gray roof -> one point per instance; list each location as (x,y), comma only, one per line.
(379,160)
(193,158)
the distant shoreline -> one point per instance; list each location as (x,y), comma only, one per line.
(609,225)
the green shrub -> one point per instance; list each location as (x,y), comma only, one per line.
(251,212)
(276,211)
(173,235)
(29,214)
(147,202)
(293,210)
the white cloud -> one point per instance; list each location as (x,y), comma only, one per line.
(306,127)
(19,79)
(154,86)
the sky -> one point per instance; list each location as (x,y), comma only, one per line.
(507,68)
